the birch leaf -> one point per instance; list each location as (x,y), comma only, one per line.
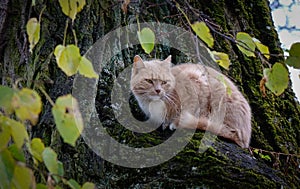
(203,32)
(277,78)
(147,39)
(222,59)
(33,32)
(67,58)
(68,118)
(86,68)
(246,44)
(71,7)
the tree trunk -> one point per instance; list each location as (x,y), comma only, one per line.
(276,122)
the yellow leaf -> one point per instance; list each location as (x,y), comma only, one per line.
(71,7)
(27,104)
(67,58)
(88,185)
(18,132)
(68,118)
(203,33)
(33,32)
(86,68)
(262,48)
(23,177)
(36,149)
(222,59)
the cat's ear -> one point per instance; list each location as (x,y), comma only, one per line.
(137,63)
(168,59)
(167,62)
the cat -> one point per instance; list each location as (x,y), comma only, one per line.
(191,96)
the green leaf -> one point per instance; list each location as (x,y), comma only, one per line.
(33,32)
(73,184)
(67,58)
(18,131)
(27,104)
(277,78)
(50,159)
(5,133)
(265,157)
(36,149)
(88,185)
(147,39)
(61,170)
(222,59)
(68,118)
(86,68)
(17,153)
(41,186)
(203,32)
(6,95)
(294,56)
(262,48)
(23,177)
(245,44)
(7,166)
(71,7)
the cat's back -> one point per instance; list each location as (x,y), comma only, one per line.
(199,72)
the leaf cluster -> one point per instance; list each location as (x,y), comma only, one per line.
(20,109)
(276,76)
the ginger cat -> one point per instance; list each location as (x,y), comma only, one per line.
(191,96)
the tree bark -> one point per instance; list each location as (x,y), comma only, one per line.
(276,120)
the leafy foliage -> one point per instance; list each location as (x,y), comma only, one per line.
(222,59)
(26,104)
(68,59)
(86,69)
(6,95)
(33,31)
(71,8)
(203,32)
(147,39)
(277,78)
(246,44)
(262,48)
(68,118)
(294,56)
(36,149)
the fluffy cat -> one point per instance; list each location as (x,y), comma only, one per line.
(191,96)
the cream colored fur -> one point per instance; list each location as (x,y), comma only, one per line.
(191,96)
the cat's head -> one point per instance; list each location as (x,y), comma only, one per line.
(152,80)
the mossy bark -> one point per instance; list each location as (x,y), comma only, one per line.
(276,122)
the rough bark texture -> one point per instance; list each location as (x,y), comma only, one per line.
(276,122)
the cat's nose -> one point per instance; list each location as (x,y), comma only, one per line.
(157,91)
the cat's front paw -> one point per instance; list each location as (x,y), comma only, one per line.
(172,126)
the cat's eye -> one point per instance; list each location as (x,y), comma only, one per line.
(149,81)
(164,82)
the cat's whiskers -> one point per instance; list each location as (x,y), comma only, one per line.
(171,100)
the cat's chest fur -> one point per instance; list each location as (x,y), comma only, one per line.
(156,110)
